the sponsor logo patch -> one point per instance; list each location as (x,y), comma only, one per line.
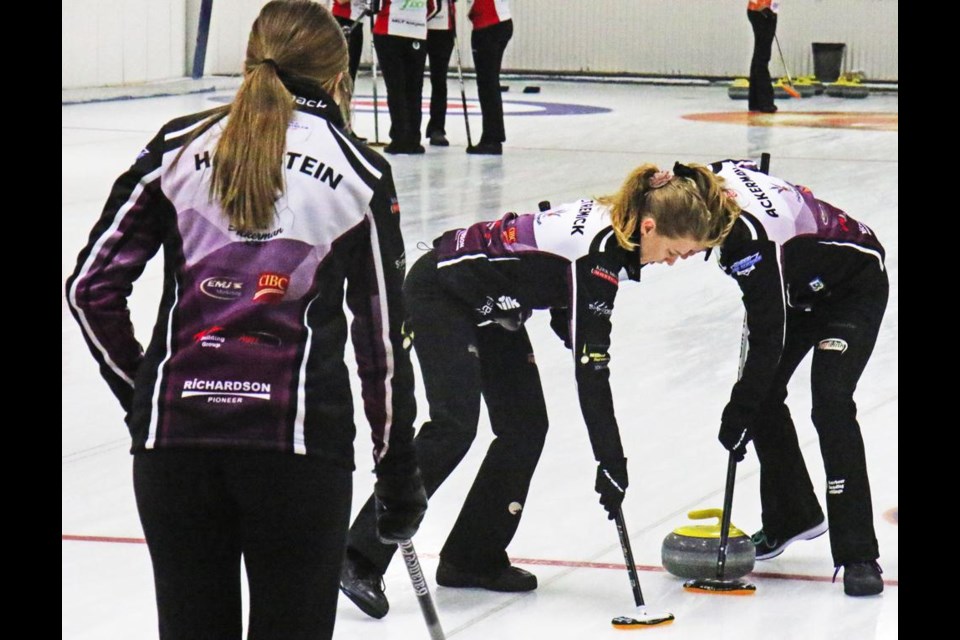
(394,206)
(835,487)
(596,356)
(271,287)
(210,337)
(221,288)
(745,266)
(509,236)
(226,391)
(310,102)
(832,344)
(599,308)
(606,274)
(816,285)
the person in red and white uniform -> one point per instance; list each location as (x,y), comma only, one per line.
(492,30)
(441,28)
(400,38)
(348,14)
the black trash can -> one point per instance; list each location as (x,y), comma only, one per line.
(827,60)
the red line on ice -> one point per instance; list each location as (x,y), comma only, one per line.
(532,561)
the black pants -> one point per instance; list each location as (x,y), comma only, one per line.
(285,514)
(459,362)
(354,44)
(842,337)
(760,95)
(439,48)
(402,61)
(488,45)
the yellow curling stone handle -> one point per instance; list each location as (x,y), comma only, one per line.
(706,530)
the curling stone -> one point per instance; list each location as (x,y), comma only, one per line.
(848,85)
(811,81)
(739,89)
(531,89)
(691,551)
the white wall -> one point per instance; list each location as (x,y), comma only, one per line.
(112,42)
(696,37)
(128,41)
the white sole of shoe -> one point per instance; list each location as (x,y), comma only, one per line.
(809,534)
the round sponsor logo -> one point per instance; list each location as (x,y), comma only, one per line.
(222,288)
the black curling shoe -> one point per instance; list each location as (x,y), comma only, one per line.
(862,578)
(486,149)
(509,579)
(364,586)
(437,139)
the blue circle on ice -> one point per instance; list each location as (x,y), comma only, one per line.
(364,104)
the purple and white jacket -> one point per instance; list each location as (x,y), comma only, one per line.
(248,347)
(790,253)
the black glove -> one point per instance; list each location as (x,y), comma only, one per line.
(768,13)
(512,320)
(735,429)
(560,323)
(612,484)
(400,502)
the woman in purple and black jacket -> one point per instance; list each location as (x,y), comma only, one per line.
(813,278)
(467,301)
(240,410)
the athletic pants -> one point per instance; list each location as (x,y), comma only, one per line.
(285,514)
(402,61)
(459,362)
(760,94)
(439,48)
(842,337)
(488,45)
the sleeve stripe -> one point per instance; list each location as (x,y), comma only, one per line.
(385,336)
(349,148)
(753,229)
(603,240)
(573,311)
(95,252)
(473,256)
(155,413)
(783,294)
(170,135)
(875,254)
(299,423)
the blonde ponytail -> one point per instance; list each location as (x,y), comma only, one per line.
(301,42)
(689,202)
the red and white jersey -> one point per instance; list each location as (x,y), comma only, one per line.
(760,5)
(442,16)
(407,19)
(351,10)
(486,13)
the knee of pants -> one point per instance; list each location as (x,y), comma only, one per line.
(455,433)
(833,416)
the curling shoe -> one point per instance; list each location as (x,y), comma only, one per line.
(861,578)
(769,547)
(437,139)
(486,149)
(364,586)
(508,579)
